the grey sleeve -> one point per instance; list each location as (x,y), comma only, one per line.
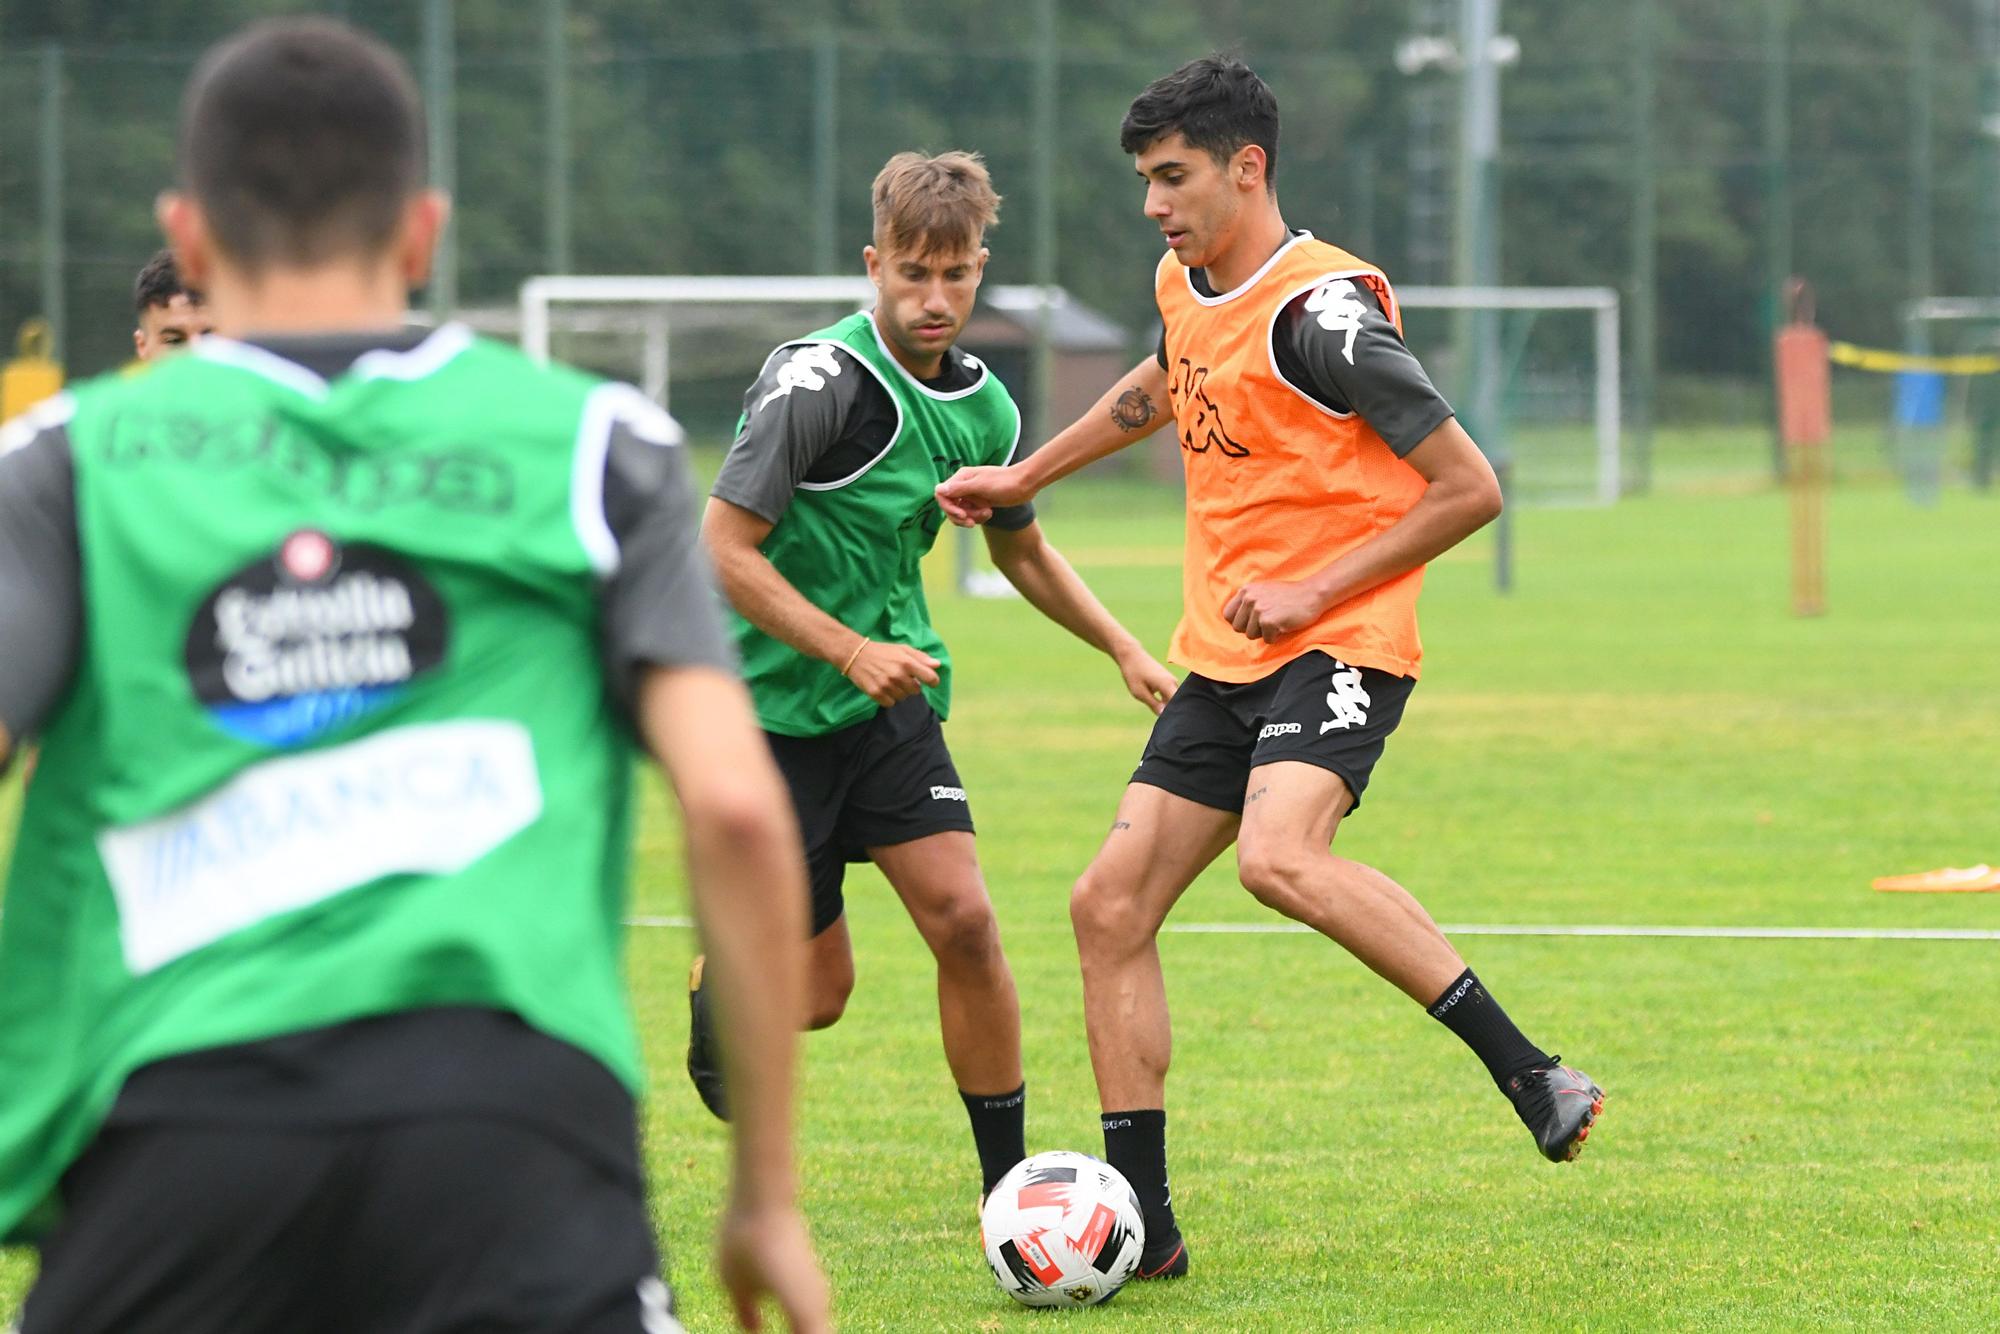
(41,606)
(793,416)
(1336,345)
(1013,518)
(661,607)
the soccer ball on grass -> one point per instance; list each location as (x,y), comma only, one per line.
(1062,1229)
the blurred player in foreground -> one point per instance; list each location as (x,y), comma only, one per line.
(1323,470)
(819,521)
(337,637)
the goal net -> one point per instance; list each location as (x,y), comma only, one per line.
(693,343)
(1943,412)
(1533,372)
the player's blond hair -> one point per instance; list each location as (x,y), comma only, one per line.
(933,205)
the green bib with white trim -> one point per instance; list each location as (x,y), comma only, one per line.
(338,743)
(854,546)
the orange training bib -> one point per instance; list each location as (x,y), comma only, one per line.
(1277,485)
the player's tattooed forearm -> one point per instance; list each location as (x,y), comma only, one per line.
(1258,793)
(1134,410)
(1117,825)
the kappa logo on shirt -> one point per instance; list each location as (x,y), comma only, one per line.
(947,794)
(1206,431)
(808,367)
(1340,310)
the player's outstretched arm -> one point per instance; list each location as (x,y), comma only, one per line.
(885,673)
(1128,412)
(747,874)
(1054,588)
(1463,497)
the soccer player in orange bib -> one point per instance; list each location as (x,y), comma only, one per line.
(1323,471)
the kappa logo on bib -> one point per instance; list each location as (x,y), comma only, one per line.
(296,644)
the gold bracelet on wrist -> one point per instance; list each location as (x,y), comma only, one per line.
(855,656)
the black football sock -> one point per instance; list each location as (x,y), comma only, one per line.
(999,1131)
(1482,1025)
(1136,1144)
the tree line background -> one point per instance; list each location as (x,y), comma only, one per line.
(1687,152)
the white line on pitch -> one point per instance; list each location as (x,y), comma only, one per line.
(1703,932)
(1496,929)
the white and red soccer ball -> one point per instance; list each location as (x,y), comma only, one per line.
(1062,1229)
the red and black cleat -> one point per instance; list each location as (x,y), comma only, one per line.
(1559,1105)
(1167,1261)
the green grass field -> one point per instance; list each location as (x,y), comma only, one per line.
(1800,1133)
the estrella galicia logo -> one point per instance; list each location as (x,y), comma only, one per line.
(298,643)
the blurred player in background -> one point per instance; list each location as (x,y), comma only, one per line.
(1323,471)
(311,1006)
(171,316)
(818,522)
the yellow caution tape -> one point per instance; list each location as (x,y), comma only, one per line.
(1882,359)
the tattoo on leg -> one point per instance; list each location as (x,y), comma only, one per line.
(1258,793)
(1134,410)
(1117,825)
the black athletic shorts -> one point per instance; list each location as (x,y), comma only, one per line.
(1315,709)
(886,780)
(440,1170)
(414,1226)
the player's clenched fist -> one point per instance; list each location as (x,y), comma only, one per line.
(1272,609)
(887,673)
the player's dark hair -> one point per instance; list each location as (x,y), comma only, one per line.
(302,139)
(1217,103)
(159,283)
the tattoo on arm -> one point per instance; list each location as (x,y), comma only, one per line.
(1258,793)
(1134,410)
(1116,825)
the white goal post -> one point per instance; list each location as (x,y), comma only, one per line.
(540,295)
(1602,303)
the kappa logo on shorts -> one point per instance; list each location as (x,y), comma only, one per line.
(1347,700)
(656,1308)
(1279,729)
(947,794)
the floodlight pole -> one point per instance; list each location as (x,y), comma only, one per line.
(1777,184)
(1989,148)
(1476,241)
(1645,282)
(1917,224)
(441,110)
(53,259)
(826,149)
(561,256)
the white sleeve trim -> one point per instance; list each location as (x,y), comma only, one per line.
(605,408)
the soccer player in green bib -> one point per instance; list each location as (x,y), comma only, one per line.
(337,638)
(818,521)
